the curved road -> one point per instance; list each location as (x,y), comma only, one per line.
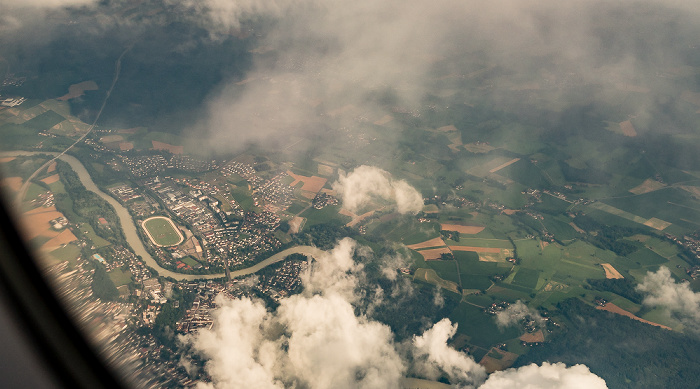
(131,235)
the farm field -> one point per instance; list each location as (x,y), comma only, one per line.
(431,277)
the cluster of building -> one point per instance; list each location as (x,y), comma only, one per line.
(322,200)
(145,166)
(125,193)
(12,101)
(244,170)
(189,209)
(276,192)
(285,281)
(190,164)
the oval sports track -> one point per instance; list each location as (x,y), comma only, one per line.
(162,231)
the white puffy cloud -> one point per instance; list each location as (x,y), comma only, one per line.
(547,376)
(516,312)
(365,183)
(234,346)
(313,339)
(336,272)
(317,339)
(433,357)
(678,299)
(330,347)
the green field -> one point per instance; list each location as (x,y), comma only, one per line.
(69,252)
(446,270)
(44,121)
(98,241)
(431,277)
(526,278)
(296,207)
(162,232)
(243,198)
(190,261)
(480,327)
(328,214)
(120,277)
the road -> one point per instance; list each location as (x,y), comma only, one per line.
(117,68)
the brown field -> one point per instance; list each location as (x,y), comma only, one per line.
(36,222)
(476,249)
(434,254)
(14,183)
(312,184)
(533,337)
(6,159)
(360,218)
(647,186)
(50,179)
(484,169)
(77,90)
(462,229)
(295,224)
(384,120)
(51,167)
(628,129)
(510,212)
(693,190)
(125,146)
(345,212)
(164,146)
(610,307)
(493,364)
(610,271)
(499,167)
(436,242)
(657,224)
(325,170)
(66,236)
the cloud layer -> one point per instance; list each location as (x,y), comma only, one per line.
(320,64)
(367,183)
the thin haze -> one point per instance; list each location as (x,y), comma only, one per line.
(322,60)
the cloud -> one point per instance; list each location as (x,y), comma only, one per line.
(547,376)
(433,357)
(320,339)
(516,312)
(236,346)
(320,65)
(314,339)
(45,3)
(679,301)
(366,183)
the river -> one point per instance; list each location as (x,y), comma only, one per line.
(132,237)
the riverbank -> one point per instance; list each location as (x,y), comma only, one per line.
(132,236)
